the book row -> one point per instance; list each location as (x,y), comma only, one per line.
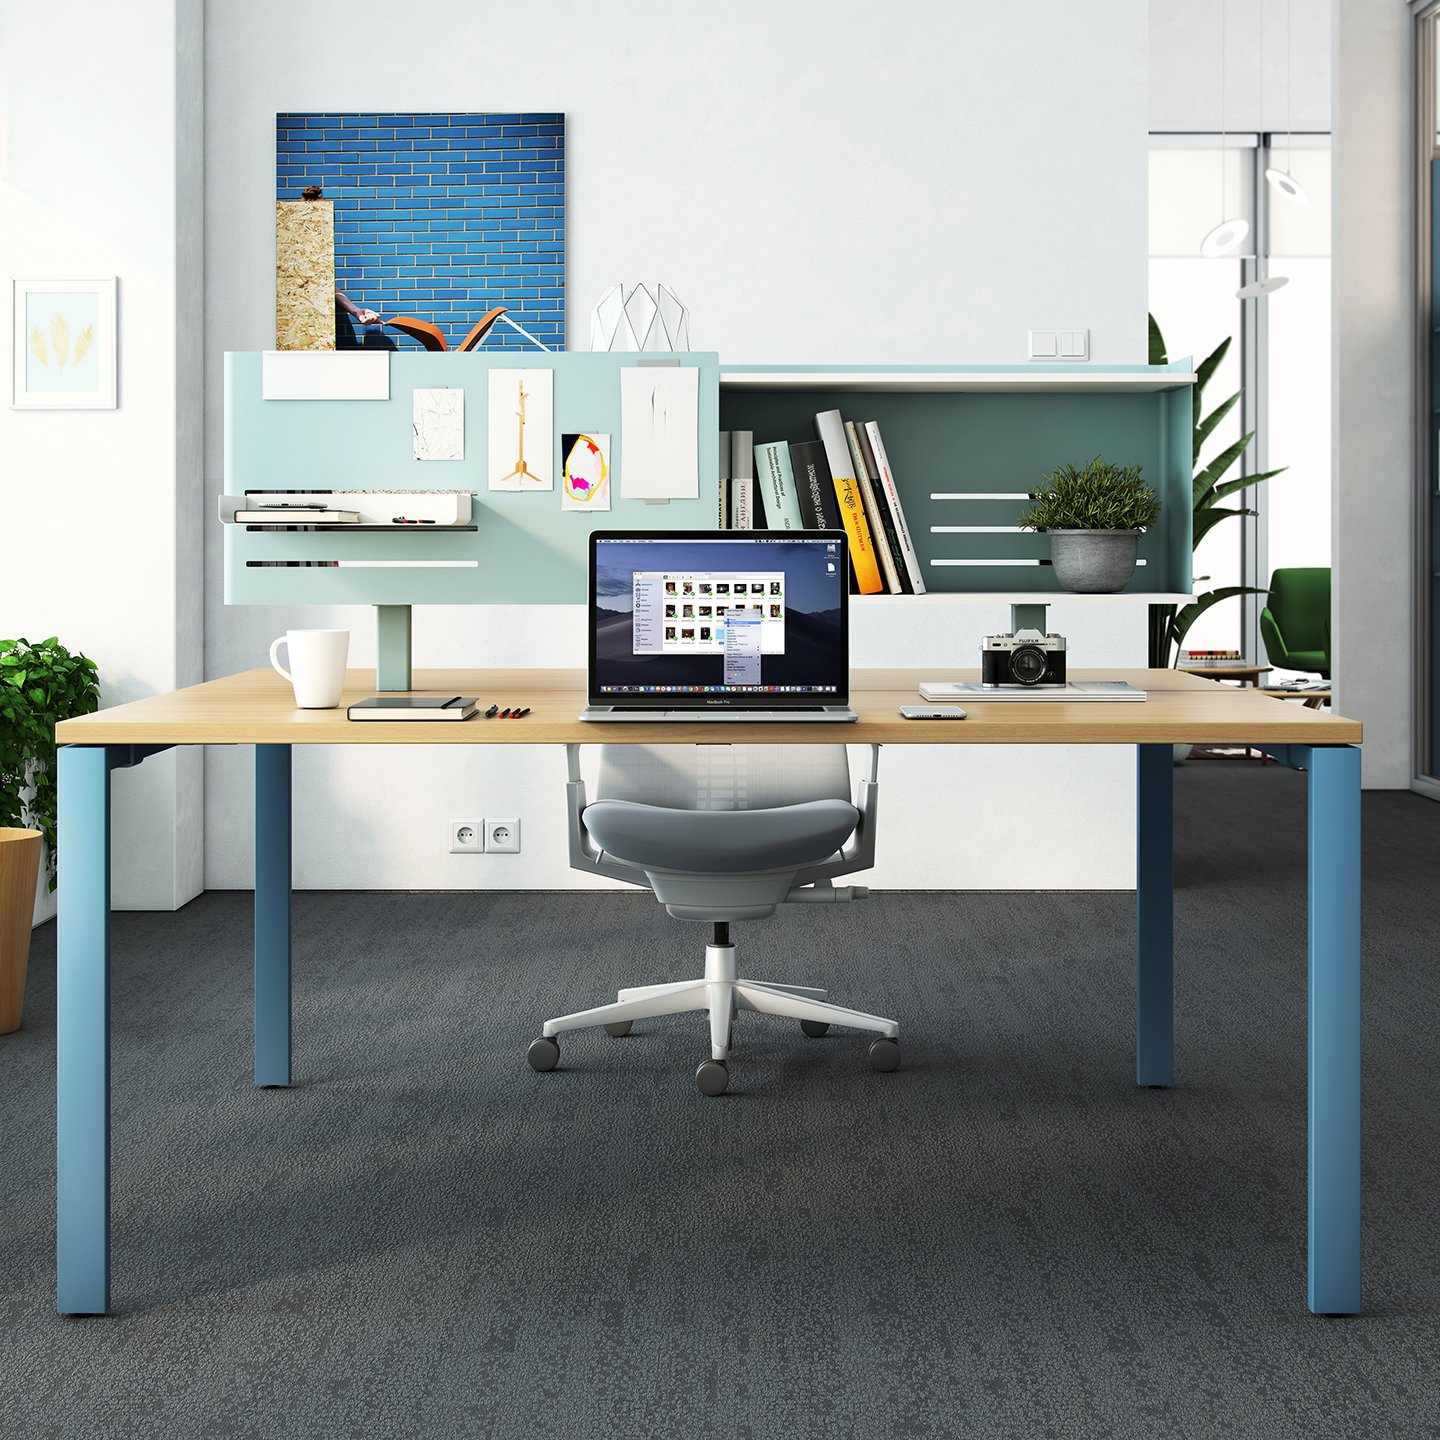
(839,481)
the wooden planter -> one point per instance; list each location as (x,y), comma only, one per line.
(19,869)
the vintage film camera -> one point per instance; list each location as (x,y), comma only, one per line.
(1025,659)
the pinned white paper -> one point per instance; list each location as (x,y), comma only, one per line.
(438,424)
(659,426)
(522,436)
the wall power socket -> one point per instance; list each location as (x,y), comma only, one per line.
(502,837)
(467,837)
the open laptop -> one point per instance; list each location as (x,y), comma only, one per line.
(719,625)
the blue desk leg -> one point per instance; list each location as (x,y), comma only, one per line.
(272,915)
(82,1079)
(1334,1025)
(1154,915)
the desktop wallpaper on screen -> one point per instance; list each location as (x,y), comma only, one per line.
(689,591)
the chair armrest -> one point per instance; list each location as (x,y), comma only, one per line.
(585,854)
(859,851)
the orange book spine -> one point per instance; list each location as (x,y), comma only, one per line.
(831,430)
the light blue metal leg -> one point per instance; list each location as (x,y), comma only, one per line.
(1334,1022)
(82,1079)
(1154,915)
(272,915)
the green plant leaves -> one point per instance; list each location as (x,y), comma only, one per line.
(40,685)
(1207,489)
(1157,345)
(1094,496)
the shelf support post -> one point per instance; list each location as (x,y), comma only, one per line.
(392,647)
(1028,617)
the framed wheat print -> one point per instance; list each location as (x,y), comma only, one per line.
(64,344)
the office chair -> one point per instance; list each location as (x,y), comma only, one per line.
(722,833)
(1295,624)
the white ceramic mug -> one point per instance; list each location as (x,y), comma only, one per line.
(317,665)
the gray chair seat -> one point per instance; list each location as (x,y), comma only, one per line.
(721,841)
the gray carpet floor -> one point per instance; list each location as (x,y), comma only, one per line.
(1006,1237)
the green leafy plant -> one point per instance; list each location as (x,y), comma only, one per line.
(40,685)
(1093,496)
(1169,624)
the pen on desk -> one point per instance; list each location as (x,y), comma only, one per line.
(401,520)
(519,713)
(505,713)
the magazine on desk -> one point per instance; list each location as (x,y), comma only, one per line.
(945,690)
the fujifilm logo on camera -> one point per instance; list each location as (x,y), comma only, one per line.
(1025,659)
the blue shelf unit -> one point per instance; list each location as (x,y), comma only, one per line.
(958,436)
(954,434)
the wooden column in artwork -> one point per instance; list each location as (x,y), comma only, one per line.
(304,275)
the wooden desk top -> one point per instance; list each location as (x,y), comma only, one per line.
(257,707)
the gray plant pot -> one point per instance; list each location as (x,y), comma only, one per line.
(1094,562)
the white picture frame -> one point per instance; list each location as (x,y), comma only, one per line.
(64,343)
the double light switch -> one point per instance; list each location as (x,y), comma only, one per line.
(1059,344)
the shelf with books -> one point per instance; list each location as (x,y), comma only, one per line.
(962,457)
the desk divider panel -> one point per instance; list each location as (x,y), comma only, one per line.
(524,548)
(951,431)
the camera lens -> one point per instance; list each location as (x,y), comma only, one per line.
(1027,665)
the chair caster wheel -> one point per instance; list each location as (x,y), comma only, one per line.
(815,1028)
(712,1077)
(619,1028)
(543,1054)
(884,1055)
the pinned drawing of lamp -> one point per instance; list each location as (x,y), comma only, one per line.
(1229,234)
(634,318)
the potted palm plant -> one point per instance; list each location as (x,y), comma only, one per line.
(1094,515)
(40,685)
(1169,624)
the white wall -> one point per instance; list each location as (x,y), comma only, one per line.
(1185,67)
(88,186)
(1373,414)
(817,184)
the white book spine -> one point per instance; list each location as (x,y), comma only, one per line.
(897,511)
(742,508)
(831,430)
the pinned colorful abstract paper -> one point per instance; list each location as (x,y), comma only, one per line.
(586,469)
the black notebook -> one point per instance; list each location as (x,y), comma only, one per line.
(413,707)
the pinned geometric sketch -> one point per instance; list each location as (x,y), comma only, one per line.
(438,424)
(636,318)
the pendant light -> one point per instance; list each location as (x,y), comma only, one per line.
(1265,284)
(1228,235)
(1282,181)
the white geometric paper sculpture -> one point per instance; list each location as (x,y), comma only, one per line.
(636,318)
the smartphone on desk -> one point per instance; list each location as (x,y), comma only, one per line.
(932,712)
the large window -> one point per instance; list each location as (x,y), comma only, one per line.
(1279,356)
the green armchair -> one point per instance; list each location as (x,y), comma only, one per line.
(1295,625)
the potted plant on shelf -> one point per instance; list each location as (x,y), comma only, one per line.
(1169,624)
(1094,515)
(40,685)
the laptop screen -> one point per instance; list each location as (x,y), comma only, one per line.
(689,618)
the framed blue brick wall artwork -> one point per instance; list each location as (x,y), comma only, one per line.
(428,218)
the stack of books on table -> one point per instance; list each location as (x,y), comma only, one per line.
(841,480)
